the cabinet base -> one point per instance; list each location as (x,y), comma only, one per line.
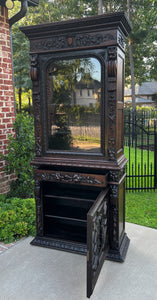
(60,245)
(120,254)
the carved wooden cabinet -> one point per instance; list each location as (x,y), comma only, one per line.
(77,70)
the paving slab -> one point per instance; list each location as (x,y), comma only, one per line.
(34,273)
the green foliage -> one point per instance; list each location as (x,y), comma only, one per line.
(21,61)
(141,208)
(17,218)
(20,154)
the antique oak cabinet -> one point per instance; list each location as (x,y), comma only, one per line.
(77,70)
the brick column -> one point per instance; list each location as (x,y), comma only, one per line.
(7,113)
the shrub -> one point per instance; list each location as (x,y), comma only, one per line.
(17,218)
(20,153)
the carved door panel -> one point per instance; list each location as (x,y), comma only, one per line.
(97,239)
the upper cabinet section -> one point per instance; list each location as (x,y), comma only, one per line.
(77,70)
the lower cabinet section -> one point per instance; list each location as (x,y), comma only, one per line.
(82,219)
(75,219)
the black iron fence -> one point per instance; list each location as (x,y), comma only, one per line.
(140,147)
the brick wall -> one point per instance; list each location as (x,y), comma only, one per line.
(7,113)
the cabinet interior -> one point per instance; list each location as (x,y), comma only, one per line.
(65,211)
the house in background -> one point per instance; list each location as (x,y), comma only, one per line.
(87,94)
(145,94)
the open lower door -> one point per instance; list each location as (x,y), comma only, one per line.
(97,239)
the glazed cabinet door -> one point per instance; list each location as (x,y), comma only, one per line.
(97,239)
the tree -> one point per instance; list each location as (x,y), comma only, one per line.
(142,37)
(21,60)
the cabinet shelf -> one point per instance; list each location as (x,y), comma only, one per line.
(65,229)
(68,198)
(67,219)
(66,207)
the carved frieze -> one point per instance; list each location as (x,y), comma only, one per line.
(73,178)
(73,41)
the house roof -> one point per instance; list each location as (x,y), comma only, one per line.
(147,88)
(140,100)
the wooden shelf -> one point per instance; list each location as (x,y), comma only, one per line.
(71,219)
(65,229)
(69,198)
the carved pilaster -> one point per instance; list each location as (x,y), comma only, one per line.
(37,116)
(39,217)
(114,233)
(112,73)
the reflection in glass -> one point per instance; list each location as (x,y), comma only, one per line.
(73,105)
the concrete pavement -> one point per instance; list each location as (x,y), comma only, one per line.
(34,273)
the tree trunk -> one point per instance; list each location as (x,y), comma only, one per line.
(132,75)
(29,99)
(100,11)
(131,63)
(20,93)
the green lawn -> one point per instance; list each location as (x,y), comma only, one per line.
(141,208)
(138,156)
(141,170)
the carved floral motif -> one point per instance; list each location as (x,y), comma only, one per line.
(115,176)
(69,178)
